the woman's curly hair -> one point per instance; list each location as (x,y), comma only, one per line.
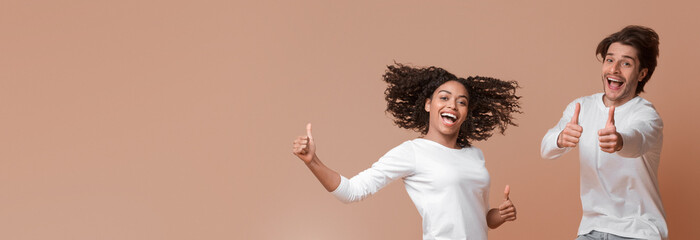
(492,102)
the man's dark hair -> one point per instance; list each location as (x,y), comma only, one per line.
(644,39)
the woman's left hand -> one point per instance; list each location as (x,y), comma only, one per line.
(507,210)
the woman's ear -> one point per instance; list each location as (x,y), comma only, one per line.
(427,104)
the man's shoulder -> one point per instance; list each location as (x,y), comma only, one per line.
(643,101)
(640,103)
(642,109)
(595,96)
(590,99)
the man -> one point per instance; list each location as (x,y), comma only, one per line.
(619,135)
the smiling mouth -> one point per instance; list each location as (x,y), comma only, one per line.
(448,118)
(615,84)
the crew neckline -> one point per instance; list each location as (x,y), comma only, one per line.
(440,145)
(602,106)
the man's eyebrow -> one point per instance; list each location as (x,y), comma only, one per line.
(623,56)
(633,58)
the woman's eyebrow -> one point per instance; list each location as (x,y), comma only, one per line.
(464,96)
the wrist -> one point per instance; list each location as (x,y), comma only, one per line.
(559,140)
(494,219)
(313,162)
(620,143)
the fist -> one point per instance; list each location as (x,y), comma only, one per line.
(569,137)
(609,139)
(304,146)
(507,210)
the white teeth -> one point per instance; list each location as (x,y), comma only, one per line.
(450,115)
(614,80)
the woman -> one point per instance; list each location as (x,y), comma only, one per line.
(444,175)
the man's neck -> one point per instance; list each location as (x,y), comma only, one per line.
(608,102)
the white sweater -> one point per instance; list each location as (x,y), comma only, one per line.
(449,187)
(619,191)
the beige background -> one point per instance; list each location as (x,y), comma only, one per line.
(174,120)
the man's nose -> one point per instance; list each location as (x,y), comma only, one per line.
(614,68)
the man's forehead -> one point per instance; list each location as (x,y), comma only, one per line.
(625,51)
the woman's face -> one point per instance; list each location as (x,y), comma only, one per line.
(448,108)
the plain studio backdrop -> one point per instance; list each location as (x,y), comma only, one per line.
(175,119)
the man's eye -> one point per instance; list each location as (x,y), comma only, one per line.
(443,98)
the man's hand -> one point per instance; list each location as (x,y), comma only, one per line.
(569,137)
(610,140)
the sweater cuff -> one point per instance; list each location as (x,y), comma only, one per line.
(341,192)
(630,144)
(549,148)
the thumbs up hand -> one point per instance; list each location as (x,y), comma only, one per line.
(304,146)
(507,210)
(569,137)
(610,140)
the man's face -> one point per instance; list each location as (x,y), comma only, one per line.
(621,74)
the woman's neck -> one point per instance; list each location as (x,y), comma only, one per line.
(449,141)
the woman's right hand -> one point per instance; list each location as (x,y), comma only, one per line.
(304,146)
(305,149)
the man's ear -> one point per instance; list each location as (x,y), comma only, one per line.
(427,104)
(642,74)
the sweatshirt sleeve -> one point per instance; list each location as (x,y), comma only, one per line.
(643,132)
(397,163)
(549,148)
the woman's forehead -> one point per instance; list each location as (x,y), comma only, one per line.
(452,87)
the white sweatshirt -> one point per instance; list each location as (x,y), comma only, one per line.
(449,187)
(619,191)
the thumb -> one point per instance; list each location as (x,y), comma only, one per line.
(507,192)
(611,117)
(308,131)
(574,119)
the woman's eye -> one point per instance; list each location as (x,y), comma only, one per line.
(443,98)
(463,103)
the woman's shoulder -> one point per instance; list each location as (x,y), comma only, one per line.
(474,150)
(406,147)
